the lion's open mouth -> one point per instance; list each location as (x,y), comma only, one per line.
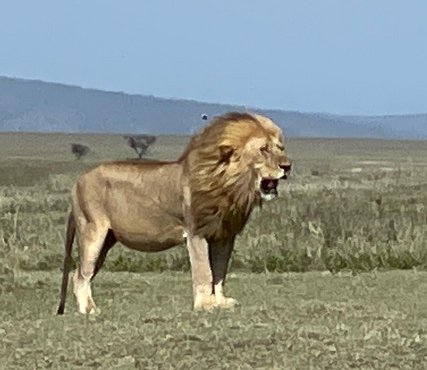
(268,187)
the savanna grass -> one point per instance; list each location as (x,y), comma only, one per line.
(338,211)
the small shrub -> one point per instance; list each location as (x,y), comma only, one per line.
(79,150)
(140,143)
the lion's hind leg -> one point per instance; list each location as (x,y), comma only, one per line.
(109,242)
(91,238)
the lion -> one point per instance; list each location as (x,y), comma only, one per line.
(203,199)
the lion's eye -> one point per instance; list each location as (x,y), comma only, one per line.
(264,149)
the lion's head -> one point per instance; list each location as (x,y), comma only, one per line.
(230,164)
(266,153)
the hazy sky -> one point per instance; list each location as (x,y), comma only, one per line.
(337,56)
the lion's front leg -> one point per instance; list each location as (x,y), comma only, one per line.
(219,255)
(198,249)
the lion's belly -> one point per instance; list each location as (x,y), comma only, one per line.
(150,242)
(145,224)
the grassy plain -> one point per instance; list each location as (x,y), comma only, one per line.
(353,208)
(286,321)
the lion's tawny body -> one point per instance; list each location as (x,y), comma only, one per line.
(140,202)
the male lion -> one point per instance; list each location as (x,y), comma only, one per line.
(205,197)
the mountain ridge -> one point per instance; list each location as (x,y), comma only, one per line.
(38,106)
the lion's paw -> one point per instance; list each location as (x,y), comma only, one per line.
(226,302)
(204,303)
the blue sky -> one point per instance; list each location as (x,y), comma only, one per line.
(336,56)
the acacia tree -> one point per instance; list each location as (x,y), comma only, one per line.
(140,143)
(79,150)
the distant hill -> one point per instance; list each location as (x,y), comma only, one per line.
(30,105)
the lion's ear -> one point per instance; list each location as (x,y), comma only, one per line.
(225,153)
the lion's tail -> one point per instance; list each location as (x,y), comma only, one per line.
(69,239)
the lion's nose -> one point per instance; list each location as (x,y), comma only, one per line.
(286,167)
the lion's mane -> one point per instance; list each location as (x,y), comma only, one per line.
(222,186)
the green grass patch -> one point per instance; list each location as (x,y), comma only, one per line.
(285,321)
